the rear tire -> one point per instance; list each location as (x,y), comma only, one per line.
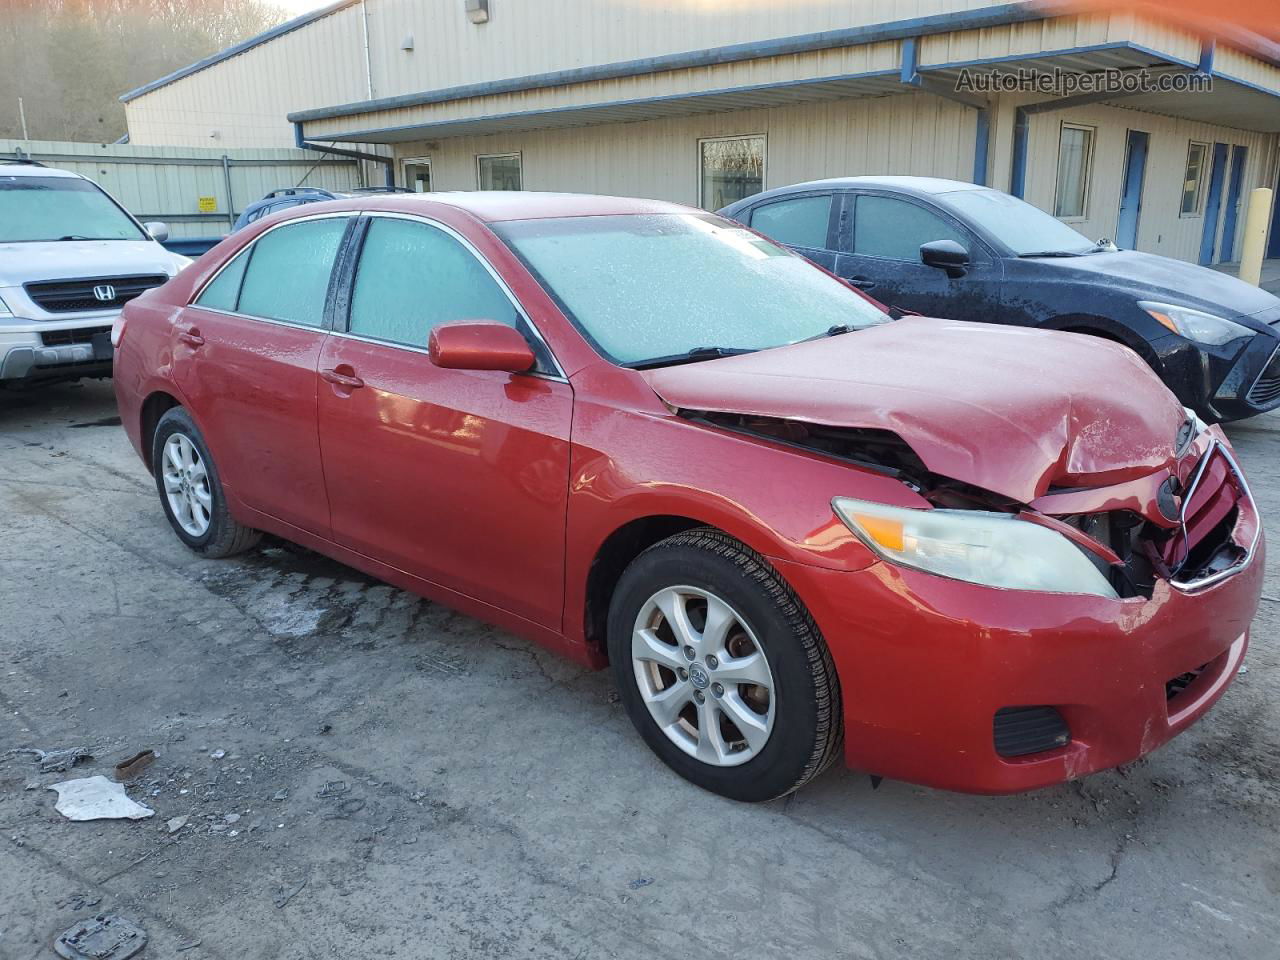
(191,491)
(687,620)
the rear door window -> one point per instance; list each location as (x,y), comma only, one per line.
(797,221)
(895,229)
(289,271)
(224,292)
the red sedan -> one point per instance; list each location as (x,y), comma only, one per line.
(977,557)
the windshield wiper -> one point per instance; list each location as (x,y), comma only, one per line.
(832,331)
(1052,253)
(76,236)
(695,355)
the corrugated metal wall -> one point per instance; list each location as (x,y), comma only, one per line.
(167,183)
(538,36)
(907,134)
(243,101)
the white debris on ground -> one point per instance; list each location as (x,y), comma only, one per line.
(97,798)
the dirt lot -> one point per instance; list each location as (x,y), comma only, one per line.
(412,783)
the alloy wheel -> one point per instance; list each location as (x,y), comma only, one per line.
(703,676)
(186,485)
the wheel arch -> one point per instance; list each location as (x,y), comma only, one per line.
(155,406)
(613,556)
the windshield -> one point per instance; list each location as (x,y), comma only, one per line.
(60,208)
(1024,229)
(646,287)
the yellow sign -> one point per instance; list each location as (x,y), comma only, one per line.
(207,204)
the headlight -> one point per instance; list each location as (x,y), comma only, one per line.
(1194,325)
(993,549)
(4,309)
(180,263)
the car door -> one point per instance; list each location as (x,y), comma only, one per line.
(459,477)
(805,222)
(880,239)
(245,356)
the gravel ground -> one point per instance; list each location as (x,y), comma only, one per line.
(367,774)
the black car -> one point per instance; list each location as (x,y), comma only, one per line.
(951,249)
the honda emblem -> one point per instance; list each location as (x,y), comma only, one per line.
(104,292)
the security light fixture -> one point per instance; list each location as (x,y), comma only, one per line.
(478,11)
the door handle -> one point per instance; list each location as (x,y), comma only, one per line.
(350,381)
(862,283)
(191,338)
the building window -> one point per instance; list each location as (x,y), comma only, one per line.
(417,174)
(498,171)
(729,169)
(1193,179)
(1075,157)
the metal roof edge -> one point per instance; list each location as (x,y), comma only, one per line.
(243,46)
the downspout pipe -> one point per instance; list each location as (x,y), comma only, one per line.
(304,144)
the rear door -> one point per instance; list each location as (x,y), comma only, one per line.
(805,222)
(245,356)
(880,239)
(459,477)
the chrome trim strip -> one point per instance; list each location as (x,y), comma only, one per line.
(1192,586)
(1253,386)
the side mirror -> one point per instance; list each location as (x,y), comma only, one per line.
(480,345)
(945,255)
(159,231)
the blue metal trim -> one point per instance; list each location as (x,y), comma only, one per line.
(267,35)
(981,146)
(1207,49)
(362,136)
(910,62)
(303,144)
(1018,175)
(1258,88)
(993,16)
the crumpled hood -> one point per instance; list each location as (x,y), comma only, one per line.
(70,259)
(1008,409)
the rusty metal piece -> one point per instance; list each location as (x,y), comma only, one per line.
(128,769)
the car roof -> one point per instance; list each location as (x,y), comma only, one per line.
(34,170)
(497,205)
(914,186)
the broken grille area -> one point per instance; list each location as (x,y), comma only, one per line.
(73,296)
(1179,684)
(1203,546)
(1021,731)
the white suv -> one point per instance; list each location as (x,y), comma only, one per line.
(70,258)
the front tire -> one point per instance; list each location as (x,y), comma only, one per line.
(722,669)
(191,492)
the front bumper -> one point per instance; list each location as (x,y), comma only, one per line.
(32,351)
(925,663)
(1224,383)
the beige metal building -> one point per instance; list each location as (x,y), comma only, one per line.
(703,101)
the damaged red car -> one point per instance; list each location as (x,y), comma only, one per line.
(982,558)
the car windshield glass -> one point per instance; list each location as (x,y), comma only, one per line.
(59,208)
(1022,228)
(643,288)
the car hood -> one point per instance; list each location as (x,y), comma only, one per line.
(1008,409)
(1172,281)
(72,259)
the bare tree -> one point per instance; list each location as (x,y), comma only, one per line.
(69,60)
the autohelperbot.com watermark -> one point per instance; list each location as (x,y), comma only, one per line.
(1066,83)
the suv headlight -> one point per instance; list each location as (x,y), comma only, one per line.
(1195,325)
(993,549)
(4,309)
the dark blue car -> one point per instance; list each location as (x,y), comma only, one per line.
(278,200)
(950,249)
